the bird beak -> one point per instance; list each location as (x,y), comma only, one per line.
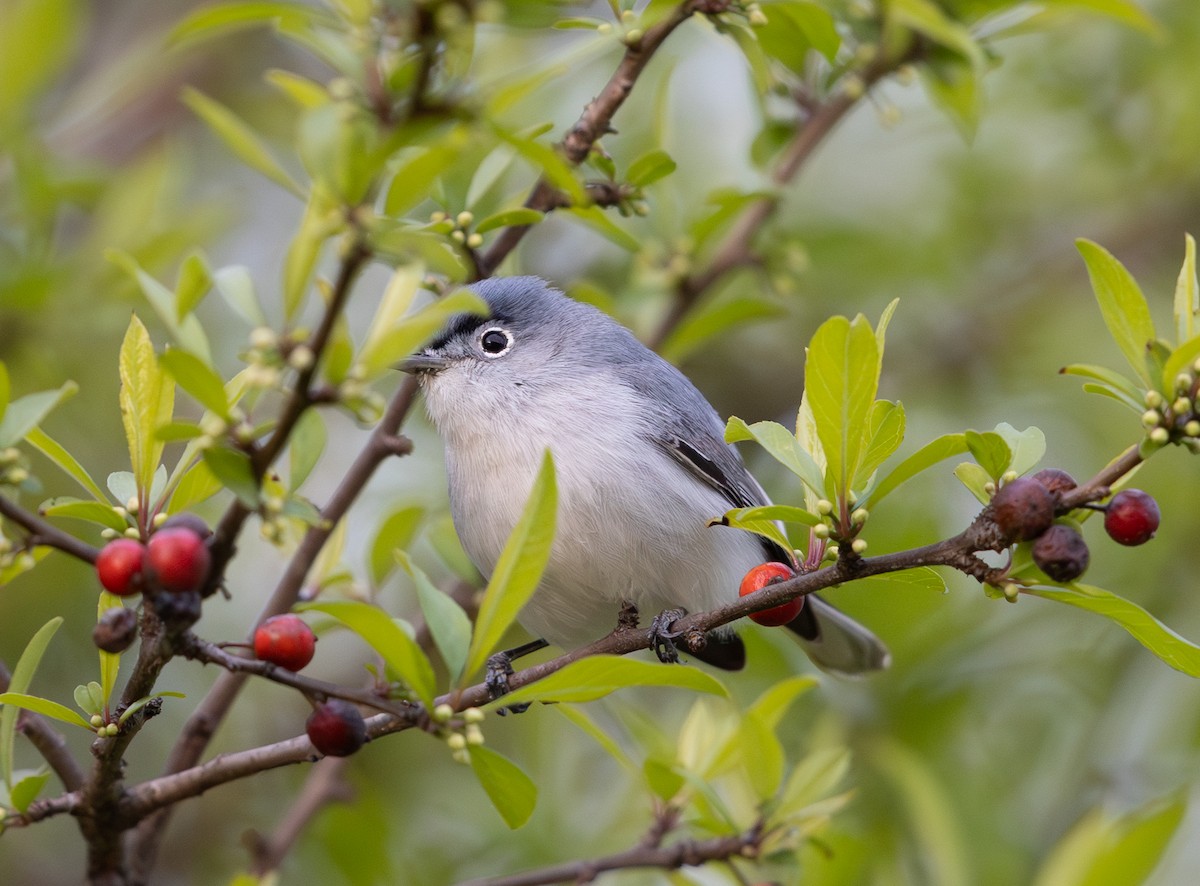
(418,364)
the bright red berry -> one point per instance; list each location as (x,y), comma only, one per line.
(120,566)
(178,559)
(767,574)
(1131,517)
(336,728)
(1023,509)
(285,640)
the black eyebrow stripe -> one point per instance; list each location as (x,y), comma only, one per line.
(463,325)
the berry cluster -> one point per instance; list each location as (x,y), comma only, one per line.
(1025,508)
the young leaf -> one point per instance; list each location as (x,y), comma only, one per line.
(236,287)
(841,375)
(812,780)
(975,478)
(382,634)
(1187,294)
(1027,446)
(781,445)
(305,447)
(212,21)
(512,218)
(395,534)
(44,706)
(22,676)
(195,279)
(147,401)
(239,138)
(886,431)
(924,458)
(410,333)
(601,222)
(448,624)
(599,675)
(585,723)
(5,390)
(92,511)
(233,469)
(186,331)
(1122,305)
(511,791)
(197,484)
(25,790)
(26,413)
(197,378)
(1181,654)
(110,662)
(990,452)
(519,568)
(53,450)
(316,225)
(703,322)
(649,168)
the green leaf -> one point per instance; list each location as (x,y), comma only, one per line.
(212,21)
(649,168)
(415,177)
(236,287)
(1187,294)
(147,401)
(187,331)
(975,478)
(395,534)
(549,162)
(886,432)
(142,702)
(92,511)
(920,578)
(793,28)
(841,376)
(305,446)
(53,450)
(952,83)
(197,378)
(233,469)
(239,138)
(43,706)
(1027,446)
(26,413)
(1179,653)
(761,756)
(512,218)
(26,790)
(197,484)
(585,723)
(1104,848)
(316,225)
(1127,12)
(926,17)
(924,458)
(21,565)
(700,324)
(762,521)
(990,451)
(193,284)
(304,93)
(781,445)
(519,568)
(1119,387)
(5,391)
(773,704)
(412,332)
(1122,305)
(386,637)
(511,791)
(22,677)
(599,675)
(813,778)
(448,624)
(110,662)
(601,222)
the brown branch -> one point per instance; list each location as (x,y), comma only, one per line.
(39,810)
(48,741)
(326,784)
(686,853)
(43,533)
(595,121)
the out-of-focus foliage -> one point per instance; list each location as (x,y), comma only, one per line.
(1029,743)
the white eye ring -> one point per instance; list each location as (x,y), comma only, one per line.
(495,342)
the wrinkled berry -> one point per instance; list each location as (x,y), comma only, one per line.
(285,640)
(178,559)
(187,520)
(336,728)
(1023,509)
(180,608)
(1131,517)
(757,579)
(120,566)
(1061,553)
(1056,482)
(116,630)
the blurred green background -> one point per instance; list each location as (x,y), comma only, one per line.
(997,728)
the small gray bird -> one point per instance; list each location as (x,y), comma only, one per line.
(641,465)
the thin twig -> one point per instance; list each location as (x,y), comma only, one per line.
(43,533)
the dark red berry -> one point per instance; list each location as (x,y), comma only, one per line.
(1056,482)
(186,520)
(116,630)
(178,559)
(178,608)
(767,574)
(1023,509)
(1131,517)
(120,566)
(336,728)
(285,640)
(1061,553)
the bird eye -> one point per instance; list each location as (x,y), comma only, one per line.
(495,341)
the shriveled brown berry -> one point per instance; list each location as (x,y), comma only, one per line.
(1056,482)
(116,630)
(1061,553)
(181,609)
(1023,509)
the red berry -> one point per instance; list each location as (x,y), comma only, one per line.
(768,574)
(120,566)
(336,728)
(285,640)
(1131,517)
(1023,509)
(178,559)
